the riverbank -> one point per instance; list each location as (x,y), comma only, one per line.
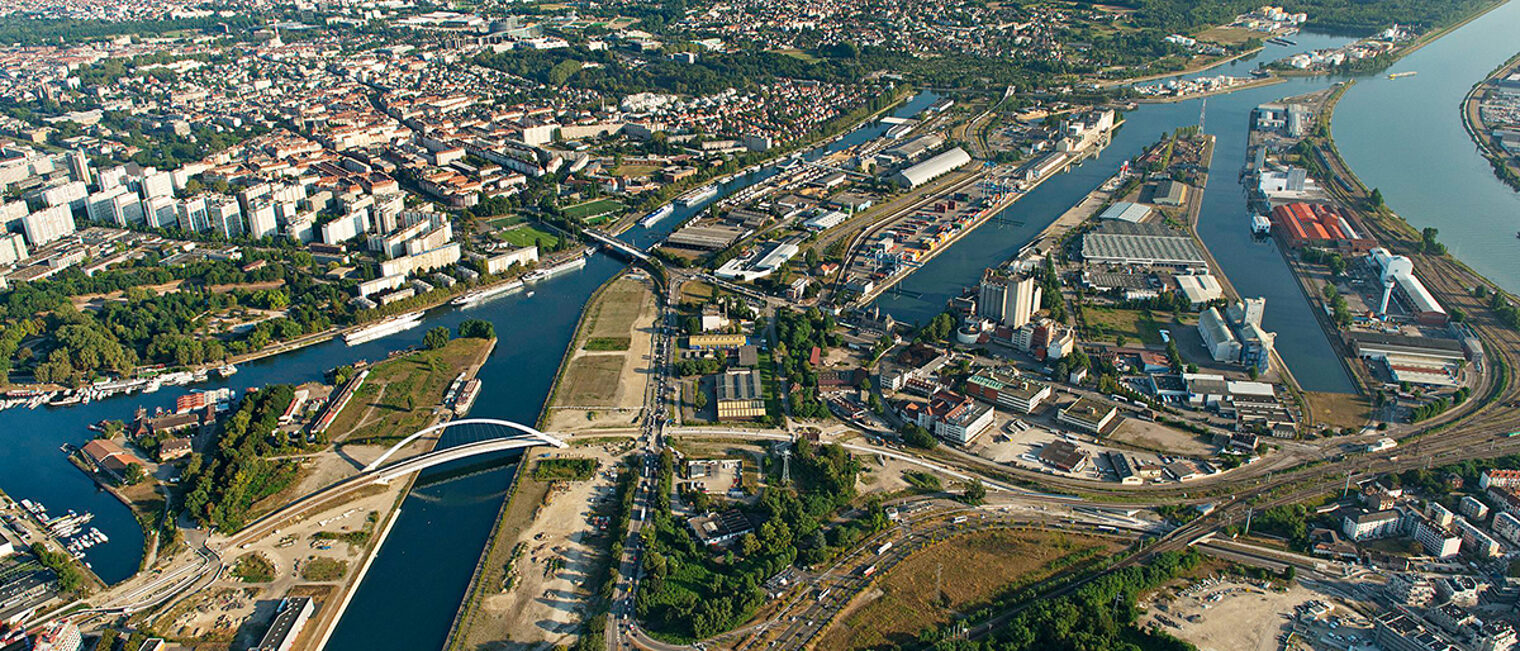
(1504,164)
(601,384)
(1188,70)
(1255,83)
(534,588)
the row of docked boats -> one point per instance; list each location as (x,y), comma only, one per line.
(34,398)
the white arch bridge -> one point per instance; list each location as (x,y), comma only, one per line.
(379,473)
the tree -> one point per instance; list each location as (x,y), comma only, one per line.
(1428,243)
(436,338)
(918,437)
(975,492)
(1376,198)
(477,329)
(134,474)
(700,399)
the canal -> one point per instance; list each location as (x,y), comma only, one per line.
(1254,267)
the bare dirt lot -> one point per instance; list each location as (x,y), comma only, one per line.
(1154,436)
(547,552)
(1245,618)
(604,382)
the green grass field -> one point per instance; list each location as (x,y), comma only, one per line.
(593,208)
(529,235)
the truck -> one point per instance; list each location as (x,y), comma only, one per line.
(883,548)
(870,569)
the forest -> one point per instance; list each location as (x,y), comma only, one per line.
(224,486)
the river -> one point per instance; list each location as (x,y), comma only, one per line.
(1405,137)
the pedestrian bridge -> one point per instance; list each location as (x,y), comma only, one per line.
(533,437)
(379,473)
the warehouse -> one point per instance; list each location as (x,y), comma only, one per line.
(1421,360)
(1141,244)
(704,238)
(1126,211)
(933,168)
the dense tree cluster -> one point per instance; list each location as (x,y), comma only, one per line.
(797,333)
(690,592)
(238,474)
(1100,615)
(1348,16)
(41,328)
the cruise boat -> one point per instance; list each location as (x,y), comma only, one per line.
(482,295)
(698,195)
(384,328)
(569,265)
(663,212)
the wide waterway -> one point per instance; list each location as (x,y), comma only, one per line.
(1405,137)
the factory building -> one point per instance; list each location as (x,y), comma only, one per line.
(1141,244)
(1397,274)
(1320,226)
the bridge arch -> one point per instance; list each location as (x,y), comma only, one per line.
(540,436)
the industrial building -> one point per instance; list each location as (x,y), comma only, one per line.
(933,168)
(741,395)
(1126,211)
(1007,297)
(1419,360)
(1237,337)
(705,238)
(1397,274)
(1320,226)
(288,620)
(1005,390)
(757,266)
(1141,244)
(1170,193)
(1087,414)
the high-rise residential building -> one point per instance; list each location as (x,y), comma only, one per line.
(160,212)
(47,225)
(192,214)
(79,167)
(11,214)
(73,194)
(261,219)
(12,248)
(225,216)
(1009,298)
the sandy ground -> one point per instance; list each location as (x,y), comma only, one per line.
(233,607)
(545,604)
(605,389)
(1245,618)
